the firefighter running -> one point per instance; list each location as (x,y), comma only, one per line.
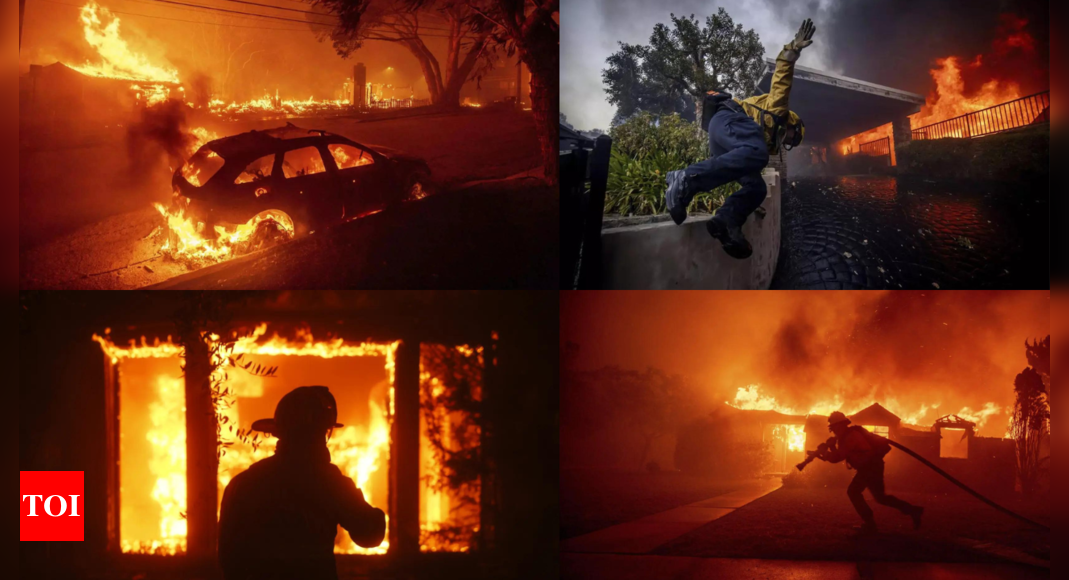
(742,136)
(864,451)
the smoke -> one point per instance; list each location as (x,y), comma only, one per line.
(896,42)
(162,134)
(921,354)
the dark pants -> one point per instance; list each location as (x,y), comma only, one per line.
(871,478)
(739,153)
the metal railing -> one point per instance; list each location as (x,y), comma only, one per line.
(1030,110)
(876,148)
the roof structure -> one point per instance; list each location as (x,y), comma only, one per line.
(876,415)
(834,107)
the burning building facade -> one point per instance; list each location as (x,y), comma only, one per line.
(951,442)
(166,415)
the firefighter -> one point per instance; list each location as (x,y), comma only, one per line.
(742,136)
(279,518)
(864,451)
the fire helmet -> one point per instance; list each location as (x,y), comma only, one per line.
(305,409)
(836,418)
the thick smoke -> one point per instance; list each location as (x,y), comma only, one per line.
(161,134)
(895,42)
(924,354)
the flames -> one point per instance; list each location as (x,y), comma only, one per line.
(188,240)
(951,98)
(117,60)
(852,144)
(359,451)
(948,99)
(753,398)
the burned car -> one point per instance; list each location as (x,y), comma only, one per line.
(293,181)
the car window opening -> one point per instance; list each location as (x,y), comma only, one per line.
(302,162)
(348,157)
(202,167)
(258,170)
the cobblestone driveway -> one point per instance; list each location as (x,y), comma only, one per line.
(881,232)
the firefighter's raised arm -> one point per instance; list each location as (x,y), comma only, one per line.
(366,524)
(779,92)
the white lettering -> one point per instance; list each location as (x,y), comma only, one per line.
(74,506)
(33,504)
(62,502)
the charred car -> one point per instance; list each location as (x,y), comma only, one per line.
(293,181)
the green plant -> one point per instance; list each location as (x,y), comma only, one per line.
(645,149)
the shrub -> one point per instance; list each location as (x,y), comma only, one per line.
(645,149)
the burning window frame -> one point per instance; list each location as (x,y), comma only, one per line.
(407,419)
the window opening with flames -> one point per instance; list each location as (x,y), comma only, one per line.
(151,427)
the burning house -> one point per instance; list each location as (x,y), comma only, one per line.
(165,411)
(950,442)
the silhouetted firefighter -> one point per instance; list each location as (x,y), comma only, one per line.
(864,452)
(279,518)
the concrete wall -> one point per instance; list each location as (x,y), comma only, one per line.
(664,256)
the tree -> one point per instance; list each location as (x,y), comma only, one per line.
(631,93)
(472,45)
(532,28)
(1038,354)
(685,62)
(1029,424)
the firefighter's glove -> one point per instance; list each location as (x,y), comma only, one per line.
(804,38)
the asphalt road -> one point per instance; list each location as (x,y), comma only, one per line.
(875,232)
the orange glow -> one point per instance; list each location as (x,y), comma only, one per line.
(948,99)
(361,450)
(752,398)
(117,60)
(852,144)
(951,98)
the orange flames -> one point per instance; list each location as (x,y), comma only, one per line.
(117,61)
(852,144)
(950,97)
(360,451)
(752,398)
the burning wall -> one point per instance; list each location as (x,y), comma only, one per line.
(153,447)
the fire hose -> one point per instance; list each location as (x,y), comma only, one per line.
(950,478)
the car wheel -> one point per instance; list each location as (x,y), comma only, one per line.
(266,230)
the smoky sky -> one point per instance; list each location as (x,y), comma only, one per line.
(889,42)
(903,349)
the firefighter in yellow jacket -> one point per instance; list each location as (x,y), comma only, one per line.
(742,135)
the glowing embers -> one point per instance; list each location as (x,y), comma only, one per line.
(451,382)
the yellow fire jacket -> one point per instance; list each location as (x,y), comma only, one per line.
(775,102)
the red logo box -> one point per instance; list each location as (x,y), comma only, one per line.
(53,504)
